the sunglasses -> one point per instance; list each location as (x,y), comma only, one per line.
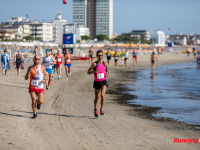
(37,59)
(100,55)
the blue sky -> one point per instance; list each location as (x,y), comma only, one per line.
(179,15)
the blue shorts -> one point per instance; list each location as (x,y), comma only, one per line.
(49,71)
(68,65)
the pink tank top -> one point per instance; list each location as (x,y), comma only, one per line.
(101,76)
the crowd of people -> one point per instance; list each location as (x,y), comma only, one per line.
(42,72)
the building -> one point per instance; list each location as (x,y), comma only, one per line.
(6,35)
(42,30)
(97,15)
(58,23)
(178,39)
(158,37)
(18,31)
(81,31)
(141,34)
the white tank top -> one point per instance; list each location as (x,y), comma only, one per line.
(47,62)
(126,55)
(36,78)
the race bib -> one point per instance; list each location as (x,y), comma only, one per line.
(59,59)
(34,82)
(116,58)
(108,54)
(100,76)
(68,60)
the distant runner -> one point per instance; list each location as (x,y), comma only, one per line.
(54,66)
(153,60)
(123,56)
(159,51)
(195,52)
(134,56)
(91,53)
(48,62)
(5,59)
(126,57)
(59,57)
(19,61)
(188,51)
(116,55)
(108,57)
(100,71)
(67,58)
(36,73)
(198,61)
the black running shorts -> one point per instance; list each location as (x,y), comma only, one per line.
(109,57)
(54,66)
(98,84)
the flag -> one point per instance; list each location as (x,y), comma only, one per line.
(64,2)
(169,29)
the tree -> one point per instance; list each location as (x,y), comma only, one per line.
(29,38)
(102,37)
(85,37)
(38,38)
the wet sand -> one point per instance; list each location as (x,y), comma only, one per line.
(66,120)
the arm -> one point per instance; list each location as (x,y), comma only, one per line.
(71,56)
(90,71)
(43,62)
(22,57)
(54,60)
(107,72)
(27,76)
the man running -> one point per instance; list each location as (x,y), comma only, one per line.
(159,51)
(59,57)
(195,52)
(48,62)
(108,57)
(91,52)
(54,66)
(116,55)
(126,58)
(153,60)
(134,56)
(36,73)
(67,58)
(123,55)
(100,71)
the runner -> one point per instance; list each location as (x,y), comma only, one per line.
(153,60)
(91,52)
(36,50)
(123,55)
(48,62)
(126,58)
(100,71)
(67,58)
(19,61)
(134,56)
(159,51)
(36,73)
(116,55)
(5,62)
(54,66)
(195,52)
(108,57)
(59,57)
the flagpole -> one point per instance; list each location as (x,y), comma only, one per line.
(62,9)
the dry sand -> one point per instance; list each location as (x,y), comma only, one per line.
(66,121)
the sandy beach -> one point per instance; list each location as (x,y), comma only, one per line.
(66,121)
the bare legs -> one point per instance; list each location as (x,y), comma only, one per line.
(97,93)
(33,97)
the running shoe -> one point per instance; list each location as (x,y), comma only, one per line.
(49,83)
(47,88)
(58,78)
(67,78)
(95,113)
(70,74)
(101,112)
(34,116)
(38,106)
(57,72)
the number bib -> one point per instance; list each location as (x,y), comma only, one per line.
(68,60)
(34,83)
(59,59)
(100,76)
(108,54)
